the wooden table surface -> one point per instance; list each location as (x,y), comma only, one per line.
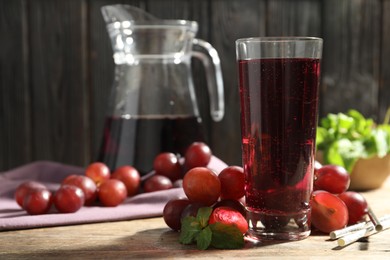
(150,238)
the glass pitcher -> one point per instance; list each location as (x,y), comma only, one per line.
(153,107)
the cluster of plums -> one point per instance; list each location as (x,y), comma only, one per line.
(333,206)
(98,185)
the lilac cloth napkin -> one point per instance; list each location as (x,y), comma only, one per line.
(12,217)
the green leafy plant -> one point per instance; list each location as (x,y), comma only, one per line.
(344,138)
(218,235)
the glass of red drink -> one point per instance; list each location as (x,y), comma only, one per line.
(278,84)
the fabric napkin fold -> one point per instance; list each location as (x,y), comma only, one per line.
(12,217)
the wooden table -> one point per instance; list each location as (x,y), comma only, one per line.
(150,238)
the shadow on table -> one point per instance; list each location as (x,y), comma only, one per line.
(147,244)
(163,243)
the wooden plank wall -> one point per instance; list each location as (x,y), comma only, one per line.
(56,67)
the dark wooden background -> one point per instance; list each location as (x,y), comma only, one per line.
(56,66)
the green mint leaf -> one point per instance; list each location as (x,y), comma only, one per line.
(226,236)
(322,135)
(332,155)
(204,215)
(190,228)
(379,138)
(203,240)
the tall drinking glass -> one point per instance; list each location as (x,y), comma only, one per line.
(278,81)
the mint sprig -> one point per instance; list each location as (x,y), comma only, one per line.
(218,235)
(345,138)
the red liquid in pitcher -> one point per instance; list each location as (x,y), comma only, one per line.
(278,135)
(136,141)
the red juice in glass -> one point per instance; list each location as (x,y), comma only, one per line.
(279,107)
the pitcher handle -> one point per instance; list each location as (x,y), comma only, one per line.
(213,77)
